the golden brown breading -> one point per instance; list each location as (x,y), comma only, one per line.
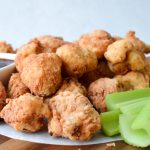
(16,87)
(50,43)
(123,56)
(133,80)
(96,42)
(116,52)
(72,85)
(147,60)
(43,74)
(26,113)
(76,61)
(102,70)
(98,90)
(136,60)
(73,117)
(33,47)
(119,68)
(138,44)
(5,48)
(147,49)
(3,96)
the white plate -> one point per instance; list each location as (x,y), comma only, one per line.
(43,136)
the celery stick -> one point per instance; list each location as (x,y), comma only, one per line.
(119,105)
(112,100)
(134,108)
(110,122)
(142,121)
(137,137)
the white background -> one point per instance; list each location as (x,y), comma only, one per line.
(20,20)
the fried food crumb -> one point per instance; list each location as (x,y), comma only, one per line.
(111,144)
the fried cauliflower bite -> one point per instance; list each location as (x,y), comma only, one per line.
(96,42)
(3,96)
(33,47)
(122,57)
(132,81)
(72,85)
(73,117)
(102,70)
(43,74)
(76,61)
(5,48)
(139,45)
(98,90)
(50,43)
(16,87)
(135,61)
(116,52)
(26,113)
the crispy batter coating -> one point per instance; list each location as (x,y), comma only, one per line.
(147,49)
(43,74)
(33,47)
(116,52)
(147,60)
(72,85)
(16,87)
(76,61)
(136,60)
(96,42)
(3,96)
(50,43)
(5,48)
(123,56)
(119,68)
(133,80)
(139,45)
(26,113)
(73,117)
(102,70)
(98,90)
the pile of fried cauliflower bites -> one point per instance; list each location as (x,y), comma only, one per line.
(62,85)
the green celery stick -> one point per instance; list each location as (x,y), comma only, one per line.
(112,100)
(134,108)
(142,121)
(133,137)
(110,122)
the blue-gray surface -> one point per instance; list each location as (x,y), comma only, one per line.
(44,137)
(21,20)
